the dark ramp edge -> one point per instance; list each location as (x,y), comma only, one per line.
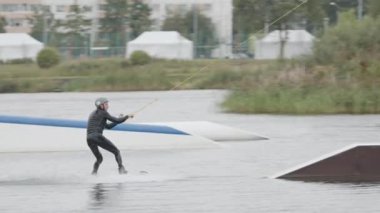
(360,163)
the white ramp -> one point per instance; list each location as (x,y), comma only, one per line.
(214,131)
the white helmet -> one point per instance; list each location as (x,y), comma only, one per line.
(100,101)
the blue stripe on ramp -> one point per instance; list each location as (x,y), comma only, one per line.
(83,124)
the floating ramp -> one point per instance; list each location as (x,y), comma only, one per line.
(214,131)
(355,163)
(24,134)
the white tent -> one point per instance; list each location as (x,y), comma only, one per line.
(18,46)
(297,43)
(162,44)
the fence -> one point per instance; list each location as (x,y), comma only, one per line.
(111,45)
(68,53)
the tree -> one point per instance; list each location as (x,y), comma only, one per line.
(251,16)
(73,32)
(37,30)
(374,8)
(314,16)
(346,5)
(202,32)
(42,21)
(139,18)
(248,16)
(351,45)
(332,13)
(284,16)
(114,23)
(3,23)
(178,23)
(261,16)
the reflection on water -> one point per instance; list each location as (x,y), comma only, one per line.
(98,195)
(101,194)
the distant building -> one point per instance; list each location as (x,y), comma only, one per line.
(18,46)
(60,8)
(93,10)
(19,12)
(286,44)
(162,44)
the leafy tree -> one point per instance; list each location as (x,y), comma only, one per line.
(332,11)
(335,7)
(350,42)
(114,23)
(314,15)
(42,21)
(73,31)
(346,3)
(75,26)
(202,32)
(258,16)
(38,26)
(3,23)
(374,8)
(249,17)
(178,23)
(139,18)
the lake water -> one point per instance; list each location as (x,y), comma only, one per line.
(233,178)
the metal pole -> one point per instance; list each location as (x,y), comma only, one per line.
(44,33)
(360,9)
(195,29)
(325,24)
(94,26)
(266,24)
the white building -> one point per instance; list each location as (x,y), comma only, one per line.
(18,46)
(162,44)
(17,14)
(295,43)
(220,12)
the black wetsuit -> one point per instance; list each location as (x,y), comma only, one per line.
(95,126)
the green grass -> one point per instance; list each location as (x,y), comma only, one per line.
(305,101)
(116,74)
(288,87)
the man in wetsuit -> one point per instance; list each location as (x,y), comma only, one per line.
(95,126)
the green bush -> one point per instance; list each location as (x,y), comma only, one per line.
(47,57)
(350,39)
(20,61)
(124,63)
(140,58)
(8,86)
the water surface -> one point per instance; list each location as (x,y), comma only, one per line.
(233,178)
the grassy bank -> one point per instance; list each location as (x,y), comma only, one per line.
(287,87)
(305,101)
(297,88)
(342,76)
(118,75)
